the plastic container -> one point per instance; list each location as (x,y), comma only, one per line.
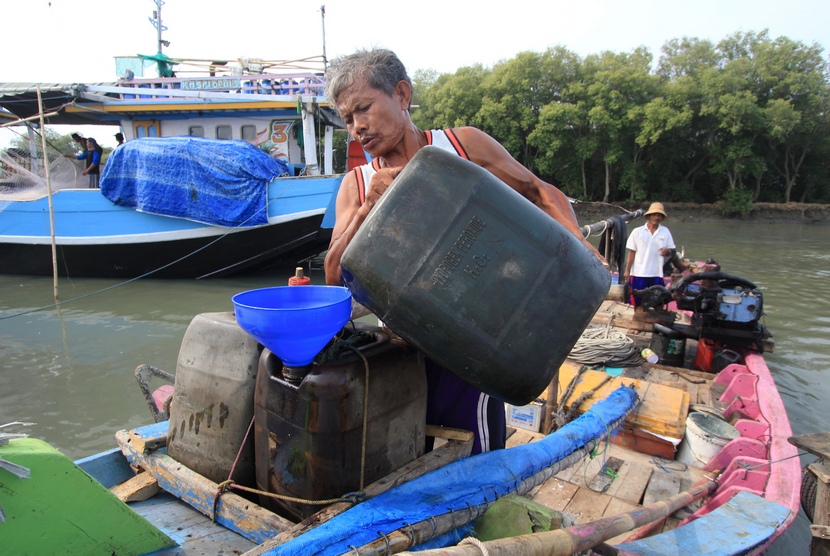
(649,356)
(706,350)
(299,279)
(213,398)
(308,437)
(706,435)
(476,276)
(669,345)
(723,358)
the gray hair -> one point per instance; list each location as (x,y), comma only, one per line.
(380,68)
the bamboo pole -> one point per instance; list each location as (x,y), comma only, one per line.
(602,225)
(40,116)
(48,194)
(648,528)
(575,539)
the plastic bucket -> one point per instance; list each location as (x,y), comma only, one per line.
(706,435)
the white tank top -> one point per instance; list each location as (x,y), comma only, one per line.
(443,139)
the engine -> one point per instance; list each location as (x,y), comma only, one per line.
(725,308)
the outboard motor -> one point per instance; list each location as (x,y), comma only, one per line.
(725,308)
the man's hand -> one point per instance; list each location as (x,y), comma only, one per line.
(380,183)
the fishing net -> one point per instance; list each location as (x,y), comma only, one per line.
(23,173)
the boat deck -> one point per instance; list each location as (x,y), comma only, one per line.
(613,481)
(621,475)
(634,467)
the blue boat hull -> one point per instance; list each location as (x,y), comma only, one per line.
(95,238)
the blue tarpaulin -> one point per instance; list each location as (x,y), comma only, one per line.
(222,183)
(458,485)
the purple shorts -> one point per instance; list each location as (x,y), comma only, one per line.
(640,283)
(451,402)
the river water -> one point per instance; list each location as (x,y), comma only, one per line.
(69,369)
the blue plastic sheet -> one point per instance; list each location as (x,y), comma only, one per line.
(222,183)
(459,484)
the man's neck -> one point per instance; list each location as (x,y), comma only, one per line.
(411,142)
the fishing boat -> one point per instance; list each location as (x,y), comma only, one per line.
(278,108)
(662,433)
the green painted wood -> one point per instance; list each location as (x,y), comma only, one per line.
(60,509)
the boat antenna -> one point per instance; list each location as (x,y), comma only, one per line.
(156,21)
(323,15)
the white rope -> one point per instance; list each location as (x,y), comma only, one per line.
(477,543)
(605,346)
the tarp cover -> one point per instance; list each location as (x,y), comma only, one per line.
(458,484)
(222,183)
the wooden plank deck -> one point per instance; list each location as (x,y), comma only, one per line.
(620,475)
(588,491)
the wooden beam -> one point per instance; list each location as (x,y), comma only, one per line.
(149,438)
(141,487)
(232,511)
(817,443)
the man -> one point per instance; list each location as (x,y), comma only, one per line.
(649,247)
(79,139)
(92,162)
(119,137)
(371,92)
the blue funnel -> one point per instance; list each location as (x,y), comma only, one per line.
(294,322)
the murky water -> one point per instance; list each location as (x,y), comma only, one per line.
(70,369)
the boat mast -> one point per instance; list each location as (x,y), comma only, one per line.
(323,17)
(156,21)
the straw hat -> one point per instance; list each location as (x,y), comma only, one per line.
(656,207)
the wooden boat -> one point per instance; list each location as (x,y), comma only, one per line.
(660,483)
(279,112)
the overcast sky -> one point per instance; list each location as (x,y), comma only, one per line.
(60,41)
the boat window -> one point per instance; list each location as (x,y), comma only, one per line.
(146,128)
(224,132)
(196,131)
(248,133)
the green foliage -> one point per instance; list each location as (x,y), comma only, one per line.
(748,115)
(736,203)
(56,142)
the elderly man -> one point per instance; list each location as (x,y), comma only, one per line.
(649,247)
(372,92)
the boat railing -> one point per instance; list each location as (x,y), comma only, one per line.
(281,84)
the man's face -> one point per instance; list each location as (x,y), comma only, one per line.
(655,218)
(375,119)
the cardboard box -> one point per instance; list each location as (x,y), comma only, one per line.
(528,417)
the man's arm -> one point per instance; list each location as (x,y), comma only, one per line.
(629,262)
(348,218)
(350,214)
(492,156)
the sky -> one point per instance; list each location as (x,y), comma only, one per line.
(67,41)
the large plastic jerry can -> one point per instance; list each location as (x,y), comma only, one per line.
(309,435)
(213,399)
(481,280)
